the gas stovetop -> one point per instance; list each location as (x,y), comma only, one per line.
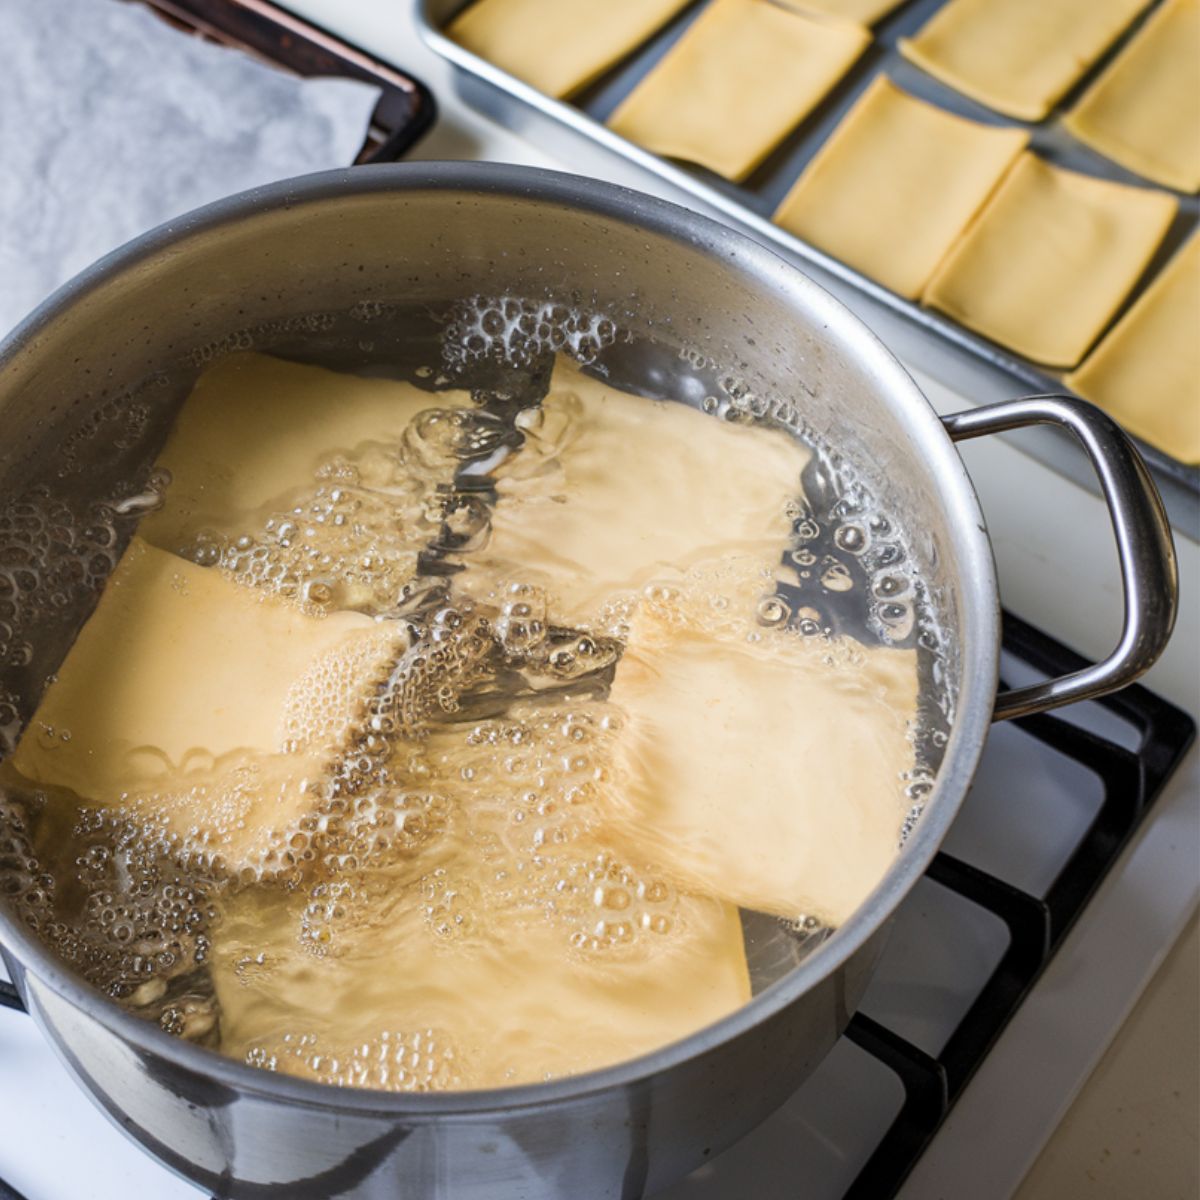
(1011,964)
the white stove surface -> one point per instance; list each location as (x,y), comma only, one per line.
(1057,570)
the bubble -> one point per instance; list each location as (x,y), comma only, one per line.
(772,611)
(836,578)
(894,614)
(851,538)
(890,585)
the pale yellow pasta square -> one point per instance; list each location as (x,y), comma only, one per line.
(808,832)
(1146,371)
(866,12)
(279,472)
(1144,111)
(1050,259)
(896,184)
(587,533)
(1018,56)
(509,1003)
(559,46)
(254,432)
(198,703)
(744,74)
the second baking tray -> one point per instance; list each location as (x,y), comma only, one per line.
(576,132)
(405,111)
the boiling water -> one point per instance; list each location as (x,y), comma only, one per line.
(470,796)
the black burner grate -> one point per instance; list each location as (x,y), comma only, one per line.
(1132,781)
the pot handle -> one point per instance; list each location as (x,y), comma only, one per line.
(1149,574)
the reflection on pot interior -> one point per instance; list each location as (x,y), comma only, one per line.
(463,724)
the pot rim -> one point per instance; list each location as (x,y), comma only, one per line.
(976,579)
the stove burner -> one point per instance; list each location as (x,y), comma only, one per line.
(1131,780)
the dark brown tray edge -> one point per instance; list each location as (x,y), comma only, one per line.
(406,110)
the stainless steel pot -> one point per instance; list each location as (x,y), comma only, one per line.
(434,233)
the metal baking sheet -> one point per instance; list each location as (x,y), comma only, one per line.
(576,132)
